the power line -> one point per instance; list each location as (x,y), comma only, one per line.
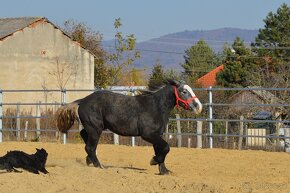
(183,53)
(219,45)
(192,43)
(159,39)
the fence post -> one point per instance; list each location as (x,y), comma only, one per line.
(188,142)
(199,134)
(25,130)
(166,131)
(287,140)
(179,137)
(210,125)
(133,138)
(240,145)
(18,122)
(63,102)
(188,137)
(57,133)
(1,117)
(226,132)
(116,139)
(38,114)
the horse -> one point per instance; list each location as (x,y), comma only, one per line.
(145,115)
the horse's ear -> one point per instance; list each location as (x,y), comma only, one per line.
(174,82)
(182,82)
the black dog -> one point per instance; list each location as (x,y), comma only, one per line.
(19,159)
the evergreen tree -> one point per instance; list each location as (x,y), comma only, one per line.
(199,59)
(157,76)
(238,65)
(272,49)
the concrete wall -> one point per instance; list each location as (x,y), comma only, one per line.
(35,58)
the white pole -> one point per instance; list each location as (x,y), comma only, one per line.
(38,114)
(133,138)
(18,122)
(199,134)
(25,130)
(63,100)
(179,137)
(240,145)
(1,114)
(210,125)
(116,139)
(287,140)
(226,132)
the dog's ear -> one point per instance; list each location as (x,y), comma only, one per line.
(37,149)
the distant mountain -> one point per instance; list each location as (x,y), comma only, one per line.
(169,49)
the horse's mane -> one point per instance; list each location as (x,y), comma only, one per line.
(157,85)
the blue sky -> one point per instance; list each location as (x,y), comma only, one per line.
(148,18)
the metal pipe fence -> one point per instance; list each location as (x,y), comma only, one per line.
(216,128)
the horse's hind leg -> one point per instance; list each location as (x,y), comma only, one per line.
(84,135)
(161,149)
(91,146)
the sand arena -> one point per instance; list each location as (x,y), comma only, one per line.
(194,170)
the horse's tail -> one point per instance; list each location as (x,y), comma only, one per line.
(66,115)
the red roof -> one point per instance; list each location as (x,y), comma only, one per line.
(209,79)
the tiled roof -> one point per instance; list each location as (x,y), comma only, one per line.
(265,95)
(209,79)
(10,25)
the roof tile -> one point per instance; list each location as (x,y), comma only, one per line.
(10,25)
(209,79)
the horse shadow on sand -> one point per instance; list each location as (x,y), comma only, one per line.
(140,170)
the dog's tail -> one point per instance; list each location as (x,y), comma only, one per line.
(66,115)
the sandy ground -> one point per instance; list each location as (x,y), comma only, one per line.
(193,170)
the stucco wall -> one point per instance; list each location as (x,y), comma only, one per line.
(34,57)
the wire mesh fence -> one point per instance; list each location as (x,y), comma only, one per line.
(229,120)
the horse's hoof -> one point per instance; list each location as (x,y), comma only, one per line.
(163,170)
(99,166)
(88,161)
(153,162)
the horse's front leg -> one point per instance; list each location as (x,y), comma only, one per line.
(159,159)
(161,149)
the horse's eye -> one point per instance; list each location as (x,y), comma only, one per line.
(184,91)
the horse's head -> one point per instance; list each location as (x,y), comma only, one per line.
(186,98)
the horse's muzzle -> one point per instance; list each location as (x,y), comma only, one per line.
(195,106)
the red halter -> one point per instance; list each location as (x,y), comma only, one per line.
(185,102)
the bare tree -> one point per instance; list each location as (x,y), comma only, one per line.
(63,72)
